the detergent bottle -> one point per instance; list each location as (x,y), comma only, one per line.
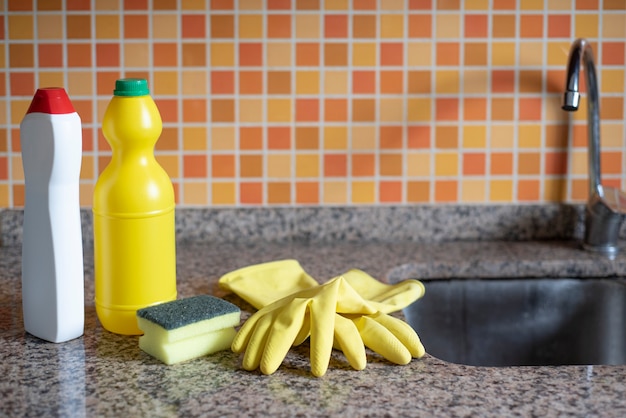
(133,208)
(53,301)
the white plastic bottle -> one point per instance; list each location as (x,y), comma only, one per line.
(52,250)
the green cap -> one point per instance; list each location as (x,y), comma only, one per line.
(131,87)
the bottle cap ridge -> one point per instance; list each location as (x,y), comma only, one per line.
(131,87)
(51,100)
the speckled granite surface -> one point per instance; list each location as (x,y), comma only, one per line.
(102,374)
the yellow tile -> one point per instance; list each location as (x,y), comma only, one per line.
(448,26)
(532,4)
(476,4)
(364,54)
(558,52)
(502,136)
(87,170)
(51,79)
(136,55)
(473,190)
(307,82)
(500,191)
(223,193)
(363,192)
(363,138)
(446,164)
(251,5)
(279,166)
(195,193)
(529,136)
(108,27)
(50,26)
(307,26)
(391,110)
(391,26)
(194,82)
(194,138)
(335,192)
(554,190)
(419,109)
(392,5)
(335,137)
(279,110)
(613,25)
(612,81)
(419,53)
(447,81)
(560,4)
(307,165)
(336,82)
(586,26)
(475,81)
(222,138)
(79,83)
(418,164)
(164,26)
(250,110)
(20,26)
(474,136)
(85,191)
(223,54)
(17,171)
(165,82)
(336,5)
(278,54)
(250,26)
(503,53)
(612,134)
(579,162)
(169,163)
(531,53)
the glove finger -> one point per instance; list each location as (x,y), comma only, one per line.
(257,343)
(403,332)
(381,340)
(242,338)
(305,330)
(321,340)
(348,340)
(282,334)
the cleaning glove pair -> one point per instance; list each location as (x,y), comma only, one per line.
(349,313)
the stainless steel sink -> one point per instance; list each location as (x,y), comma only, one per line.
(502,322)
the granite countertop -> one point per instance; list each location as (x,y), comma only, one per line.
(102,374)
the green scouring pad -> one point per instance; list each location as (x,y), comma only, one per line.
(187,328)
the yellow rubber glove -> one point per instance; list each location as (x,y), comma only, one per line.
(268,334)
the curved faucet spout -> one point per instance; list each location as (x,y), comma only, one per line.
(581,53)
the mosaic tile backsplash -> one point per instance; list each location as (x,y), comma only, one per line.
(329,102)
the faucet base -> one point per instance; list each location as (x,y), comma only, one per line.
(609,251)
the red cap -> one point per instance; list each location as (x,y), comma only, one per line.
(51,100)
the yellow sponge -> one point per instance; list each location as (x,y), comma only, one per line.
(187,328)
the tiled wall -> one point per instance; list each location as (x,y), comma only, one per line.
(329,102)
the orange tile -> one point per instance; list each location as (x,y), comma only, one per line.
(164,4)
(476,54)
(128,4)
(307,192)
(363,110)
(335,138)
(420,26)
(279,110)
(194,110)
(364,54)
(418,137)
(250,54)
(307,138)
(503,26)
(308,5)
(50,55)
(504,4)
(364,26)
(528,190)
(250,138)
(222,82)
(278,193)
(78,26)
(531,26)
(250,110)
(222,110)
(419,109)
(530,108)
(193,26)
(108,55)
(390,164)
(446,191)
(279,4)
(474,164)
(501,163)
(251,193)
(502,109)
(18,195)
(307,54)
(390,192)
(613,5)
(21,27)
(335,26)
(278,82)
(279,26)
(391,53)
(530,81)
(278,138)
(250,165)
(418,192)
(503,81)
(222,4)
(308,82)
(448,4)
(447,109)
(390,137)
(335,165)
(474,108)
(194,166)
(391,82)
(336,54)
(420,4)
(250,82)
(250,26)
(364,5)
(446,137)
(613,53)
(391,26)
(335,110)
(307,110)
(165,54)
(307,26)
(476,26)
(611,162)
(363,82)
(21,55)
(559,26)
(222,26)
(500,190)
(419,81)
(363,165)
(363,192)
(612,108)
(555,163)
(19,5)
(529,163)
(136,26)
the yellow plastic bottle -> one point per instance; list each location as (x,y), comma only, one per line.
(133,208)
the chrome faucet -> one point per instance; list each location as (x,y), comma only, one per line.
(606,206)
